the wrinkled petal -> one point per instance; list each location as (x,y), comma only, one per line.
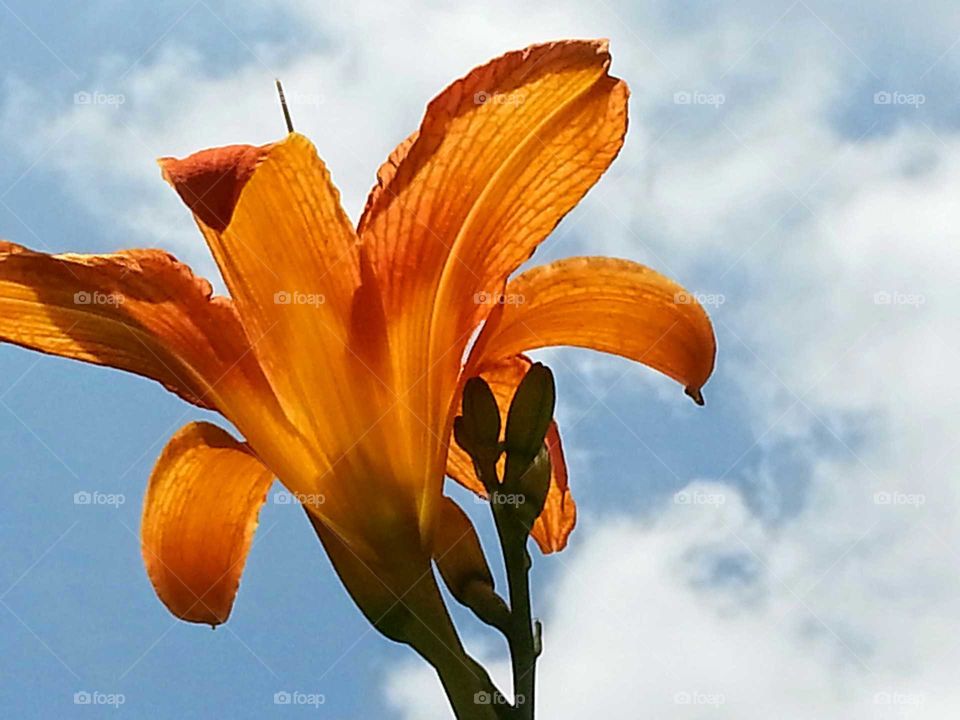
(199,518)
(302,289)
(288,255)
(606,304)
(500,157)
(144,312)
(559,514)
(140,311)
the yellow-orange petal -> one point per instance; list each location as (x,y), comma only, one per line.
(501,155)
(199,518)
(138,310)
(289,256)
(616,306)
(558,518)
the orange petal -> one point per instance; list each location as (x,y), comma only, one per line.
(199,517)
(140,311)
(210,181)
(288,254)
(559,514)
(607,304)
(501,155)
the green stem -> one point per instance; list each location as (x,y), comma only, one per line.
(466,684)
(521,637)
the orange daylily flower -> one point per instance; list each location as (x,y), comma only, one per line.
(339,355)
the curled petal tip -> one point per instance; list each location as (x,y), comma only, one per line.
(695,395)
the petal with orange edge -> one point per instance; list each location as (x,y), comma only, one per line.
(138,310)
(606,304)
(500,157)
(559,515)
(199,518)
(288,254)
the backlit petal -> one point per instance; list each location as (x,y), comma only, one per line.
(199,518)
(499,158)
(140,311)
(288,254)
(559,514)
(607,304)
(290,258)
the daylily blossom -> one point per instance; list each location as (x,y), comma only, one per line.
(341,352)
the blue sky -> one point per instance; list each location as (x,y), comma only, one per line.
(807,187)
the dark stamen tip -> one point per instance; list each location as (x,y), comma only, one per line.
(283,105)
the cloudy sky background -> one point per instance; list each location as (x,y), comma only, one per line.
(789,551)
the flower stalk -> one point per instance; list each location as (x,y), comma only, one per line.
(522,636)
(516,501)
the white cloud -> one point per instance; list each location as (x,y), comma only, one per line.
(838,259)
(853,600)
(705,612)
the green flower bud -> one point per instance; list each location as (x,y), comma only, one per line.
(531,411)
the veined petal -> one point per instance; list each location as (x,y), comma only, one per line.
(288,254)
(499,158)
(140,311)
(559,514)
(307,295)
(199,517)
(606,304)
(144,312)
